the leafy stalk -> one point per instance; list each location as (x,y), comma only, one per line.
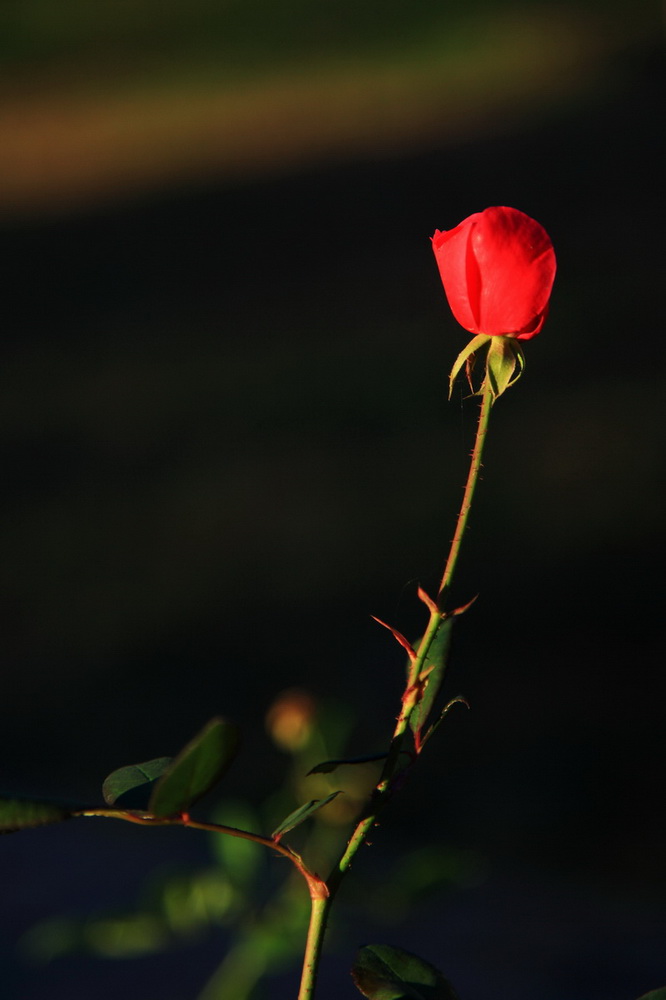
(322,892)
(411,697)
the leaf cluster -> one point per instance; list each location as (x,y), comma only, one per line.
(175,784)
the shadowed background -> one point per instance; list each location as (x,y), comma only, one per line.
(226,442)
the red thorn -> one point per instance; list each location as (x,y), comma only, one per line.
(428,601)
(399,637)
(463,608)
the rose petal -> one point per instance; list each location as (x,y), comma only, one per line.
(452,255)
(516,262)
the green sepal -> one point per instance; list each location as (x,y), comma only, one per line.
(505,357)
(196,769)
(125,780)
(299,815)
(655,994)
(21,814)
(465,355)
(382,972)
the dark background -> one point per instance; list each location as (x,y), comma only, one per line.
(226,442)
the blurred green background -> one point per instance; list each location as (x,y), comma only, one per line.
(226,442)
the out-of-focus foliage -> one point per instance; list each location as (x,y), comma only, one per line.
(257,35)
(20,814)
(261,910)
(103,98)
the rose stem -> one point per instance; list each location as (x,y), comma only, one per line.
(321,906)
(468,495)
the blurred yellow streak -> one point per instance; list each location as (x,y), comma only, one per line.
(64,147)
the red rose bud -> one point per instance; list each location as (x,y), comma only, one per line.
(497,268)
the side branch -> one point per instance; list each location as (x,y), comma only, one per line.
(316,886)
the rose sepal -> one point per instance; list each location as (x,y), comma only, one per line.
(465,356)
(505,363)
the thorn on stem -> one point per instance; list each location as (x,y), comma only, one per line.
(427,600)
(399,637)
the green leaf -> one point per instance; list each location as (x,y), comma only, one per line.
(436,658)
(330,765)
(134,776)
(20,814)
(382,972)
(295,818)
(196,769)
(458,700)
(655,994)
